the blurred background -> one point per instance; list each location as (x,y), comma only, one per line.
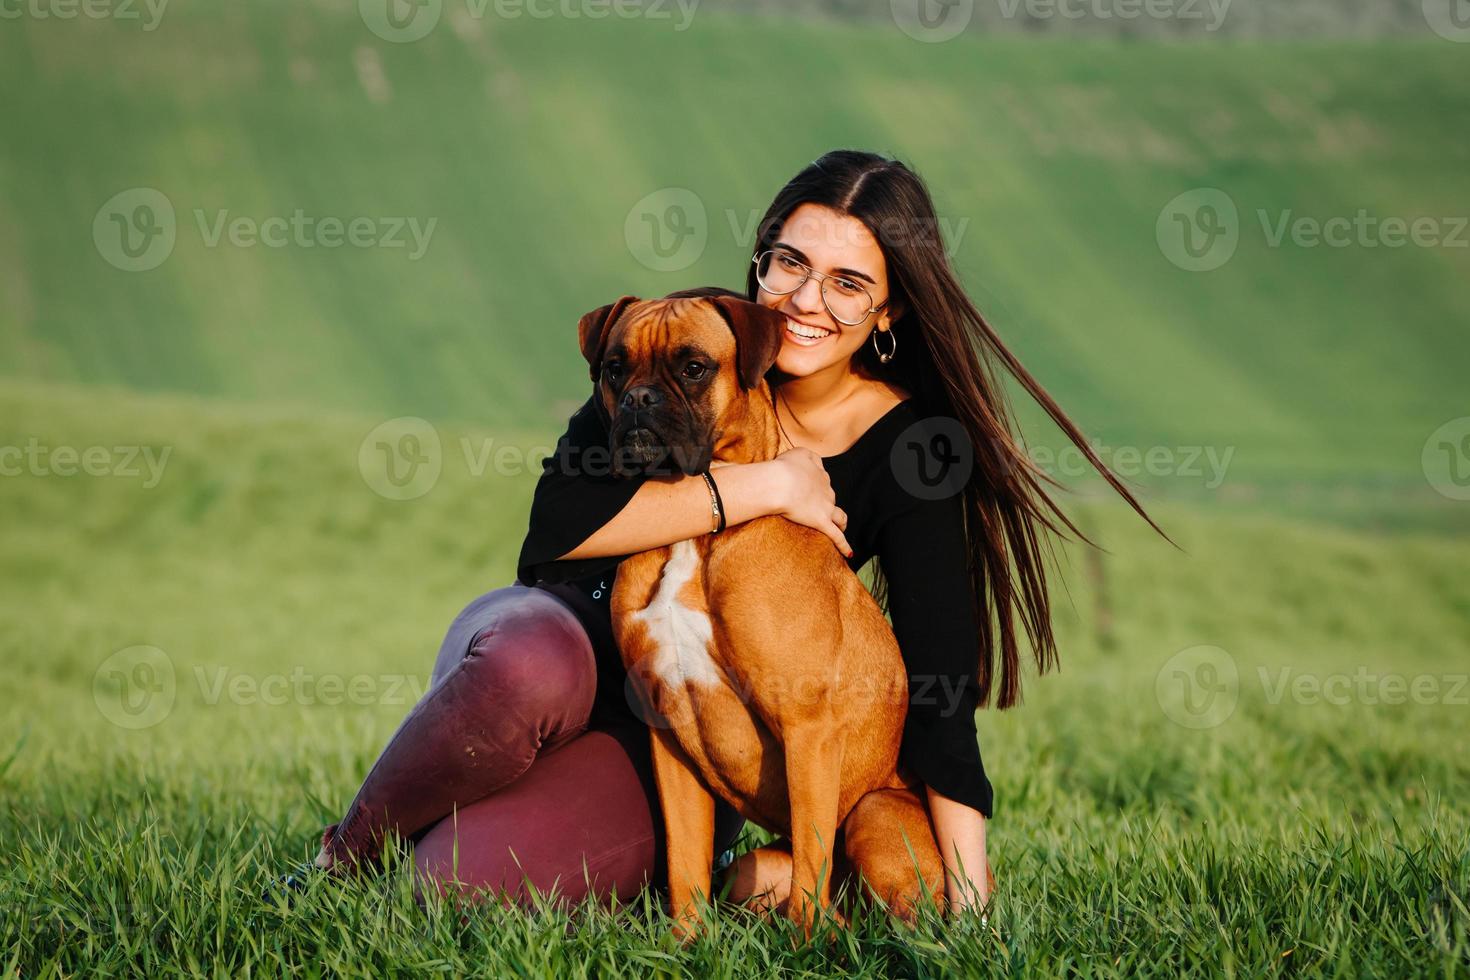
(288,295)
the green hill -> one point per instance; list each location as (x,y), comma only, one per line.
(534,146)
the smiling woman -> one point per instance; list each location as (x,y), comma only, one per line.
(886,394)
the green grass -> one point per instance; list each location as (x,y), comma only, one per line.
(1293,837)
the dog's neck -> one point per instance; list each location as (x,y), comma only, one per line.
(750,432)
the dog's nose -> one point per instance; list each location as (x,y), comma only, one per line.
(641,397)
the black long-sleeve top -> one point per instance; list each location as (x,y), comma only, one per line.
(918,538)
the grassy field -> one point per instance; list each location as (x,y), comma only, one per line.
(1253,759)
(1299,832)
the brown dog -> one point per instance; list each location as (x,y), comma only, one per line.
(775,680)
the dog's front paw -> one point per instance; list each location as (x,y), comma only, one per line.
(688,929)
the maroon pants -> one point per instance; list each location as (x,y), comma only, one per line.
(498,777)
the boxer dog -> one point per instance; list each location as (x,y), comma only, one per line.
(771,676)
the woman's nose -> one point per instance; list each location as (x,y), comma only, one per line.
(808,298)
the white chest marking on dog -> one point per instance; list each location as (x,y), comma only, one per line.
(681,635)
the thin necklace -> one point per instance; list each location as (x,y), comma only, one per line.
(774,396)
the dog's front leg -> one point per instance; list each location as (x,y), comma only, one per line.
(814,782)
(689,826)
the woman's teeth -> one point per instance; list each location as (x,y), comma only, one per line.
(804,335)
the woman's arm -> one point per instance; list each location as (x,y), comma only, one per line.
(583,517)
(922,551)
(960,832)
(666,509)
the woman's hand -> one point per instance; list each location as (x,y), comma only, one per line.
(803,493)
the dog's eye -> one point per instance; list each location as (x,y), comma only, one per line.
(694,370)
(612,369)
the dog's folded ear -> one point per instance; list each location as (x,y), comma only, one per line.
(592,331)
(757,331)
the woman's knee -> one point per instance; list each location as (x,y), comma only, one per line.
(531,652)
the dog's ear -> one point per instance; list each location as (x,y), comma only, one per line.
(757,331)
(592,331)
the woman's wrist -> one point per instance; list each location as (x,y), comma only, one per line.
(750,490)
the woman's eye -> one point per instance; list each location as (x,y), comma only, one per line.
(694,370)
(847,287)
(788,263)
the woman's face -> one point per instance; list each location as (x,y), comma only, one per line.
(837,245)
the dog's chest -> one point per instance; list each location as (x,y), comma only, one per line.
(679,634)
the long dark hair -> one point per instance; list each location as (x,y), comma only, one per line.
(1006,507)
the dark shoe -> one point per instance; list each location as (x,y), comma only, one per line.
(294,882)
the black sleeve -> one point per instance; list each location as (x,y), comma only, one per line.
(921,548)
(576,494)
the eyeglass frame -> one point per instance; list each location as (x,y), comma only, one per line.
(821,276)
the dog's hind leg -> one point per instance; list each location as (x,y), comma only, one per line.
(879,833)
(760,879)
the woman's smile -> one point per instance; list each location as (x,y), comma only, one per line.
(805,334)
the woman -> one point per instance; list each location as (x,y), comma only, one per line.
(525,763)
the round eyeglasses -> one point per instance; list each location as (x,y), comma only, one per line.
(781,274)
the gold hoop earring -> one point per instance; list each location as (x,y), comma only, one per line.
(893,349)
